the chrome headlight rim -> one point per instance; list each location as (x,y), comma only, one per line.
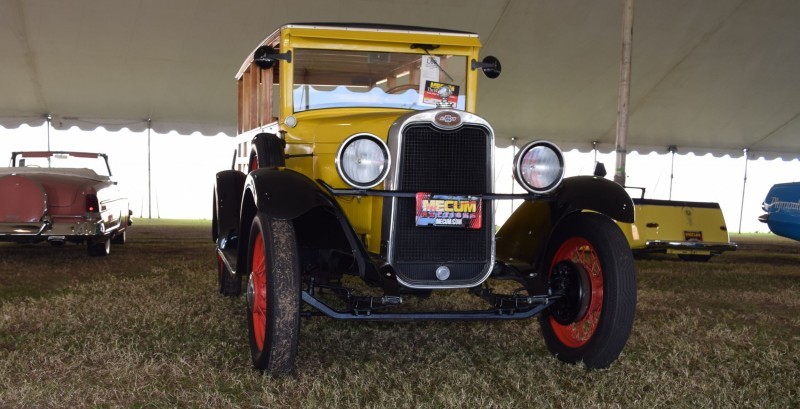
(348,142)
(521,156)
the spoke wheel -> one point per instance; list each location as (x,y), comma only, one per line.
(591,267)
(578,275)
(273,295)
(253,165)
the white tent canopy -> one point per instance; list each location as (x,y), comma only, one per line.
(713,76)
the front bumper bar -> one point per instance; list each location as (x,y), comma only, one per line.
(378,315)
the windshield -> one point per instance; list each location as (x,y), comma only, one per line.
(63,160)
(336,79)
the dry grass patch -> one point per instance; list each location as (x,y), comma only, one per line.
(145,327)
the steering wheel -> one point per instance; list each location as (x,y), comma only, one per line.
(400,88)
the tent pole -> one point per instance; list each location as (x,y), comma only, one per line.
(49,122)
(672,149)
(744,186)
(624,91)
(149,177)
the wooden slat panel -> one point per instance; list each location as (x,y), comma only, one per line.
(239,114)
(265,97)
(252,85)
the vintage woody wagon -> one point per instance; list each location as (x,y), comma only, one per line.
(361,157)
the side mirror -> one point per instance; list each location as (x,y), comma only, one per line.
(267,56)
(490,66)
(600,170)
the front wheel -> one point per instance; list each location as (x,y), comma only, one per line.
(273,295)
(591,267)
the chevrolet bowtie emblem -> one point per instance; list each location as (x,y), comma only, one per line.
(447,119)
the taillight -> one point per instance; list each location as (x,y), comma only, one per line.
(92,205)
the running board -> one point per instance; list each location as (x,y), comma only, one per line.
(479,315)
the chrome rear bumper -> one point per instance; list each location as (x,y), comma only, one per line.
(66,231)
(691,246)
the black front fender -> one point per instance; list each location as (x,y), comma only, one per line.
(593,193)
(319,221)
(525,234)
(285,194)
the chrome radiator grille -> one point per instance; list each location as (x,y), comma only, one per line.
(456,162)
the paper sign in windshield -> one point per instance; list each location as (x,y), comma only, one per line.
(448,211)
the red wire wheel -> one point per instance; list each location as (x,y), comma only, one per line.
(273,295)
(591,269)
(259,283)
(579,331)
(253,162)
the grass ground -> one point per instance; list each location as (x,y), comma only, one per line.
(145,327)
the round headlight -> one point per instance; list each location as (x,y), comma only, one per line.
(539,167)
(363,161)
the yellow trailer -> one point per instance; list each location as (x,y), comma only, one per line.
(694,231)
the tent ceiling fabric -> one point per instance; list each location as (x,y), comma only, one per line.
(708,76)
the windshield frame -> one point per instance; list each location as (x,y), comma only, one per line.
(292,39)
(369,79)
(97,162)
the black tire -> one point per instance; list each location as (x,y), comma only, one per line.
(588,251)
(266,152)
(214,223)
(229,285)
(273,295)
(99,248)
(120,238)
(702,258)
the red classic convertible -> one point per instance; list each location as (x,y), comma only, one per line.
(62,196)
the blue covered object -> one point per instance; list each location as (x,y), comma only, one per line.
(782,205)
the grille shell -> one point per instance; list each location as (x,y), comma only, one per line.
(443,161)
